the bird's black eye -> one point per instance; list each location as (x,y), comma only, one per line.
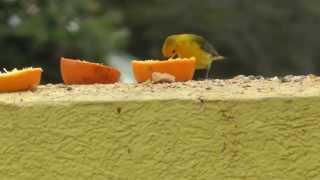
(173,51)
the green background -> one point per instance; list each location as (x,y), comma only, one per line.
(259,37)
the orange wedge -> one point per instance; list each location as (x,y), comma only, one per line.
(181,68)
(75,71)
(20,80)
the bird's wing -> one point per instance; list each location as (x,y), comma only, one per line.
(205,45)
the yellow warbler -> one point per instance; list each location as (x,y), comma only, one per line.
(191,45)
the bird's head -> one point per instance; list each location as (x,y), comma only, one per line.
(169,48)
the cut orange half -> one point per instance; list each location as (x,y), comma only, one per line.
(75,71)
(20,80)
(181,68)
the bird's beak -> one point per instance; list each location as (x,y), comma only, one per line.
(173,56)
(219,58)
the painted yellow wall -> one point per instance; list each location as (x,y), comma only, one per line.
(169,140)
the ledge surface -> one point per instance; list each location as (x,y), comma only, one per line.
(232,89)
(239,129)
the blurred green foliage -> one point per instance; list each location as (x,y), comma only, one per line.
(39,32)
(269,37)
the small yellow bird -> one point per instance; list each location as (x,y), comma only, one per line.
(191,45)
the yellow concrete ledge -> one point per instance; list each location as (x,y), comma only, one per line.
(226,130)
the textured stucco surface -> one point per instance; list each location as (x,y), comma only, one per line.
(80,132)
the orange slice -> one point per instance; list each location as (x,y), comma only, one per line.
(20,80)
(181,68)
(82,72)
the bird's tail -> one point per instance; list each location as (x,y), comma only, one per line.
(218,58)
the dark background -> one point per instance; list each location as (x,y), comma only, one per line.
(269,37)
